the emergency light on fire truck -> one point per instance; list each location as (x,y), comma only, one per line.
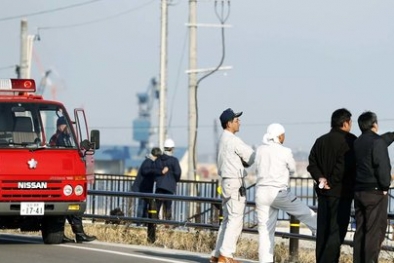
(17,85)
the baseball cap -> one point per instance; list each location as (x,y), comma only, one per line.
(229,115)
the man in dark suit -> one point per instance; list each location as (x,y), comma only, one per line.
(372,182)
(332,165)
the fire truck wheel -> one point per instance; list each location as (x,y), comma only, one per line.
(52,229)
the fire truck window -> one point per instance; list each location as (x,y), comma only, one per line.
(57,129)
(6,118)
(23,124)
(3,122)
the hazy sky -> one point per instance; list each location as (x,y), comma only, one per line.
(294,62)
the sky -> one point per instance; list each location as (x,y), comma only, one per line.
(293,62)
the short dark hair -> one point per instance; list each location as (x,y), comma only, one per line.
(156,151)
(339,117)
(224,124)
(366,120)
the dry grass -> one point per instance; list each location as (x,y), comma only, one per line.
(202,241)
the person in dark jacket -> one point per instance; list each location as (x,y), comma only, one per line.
(62,138)
(166,183)
(145,179)
(372,182)
(332,165)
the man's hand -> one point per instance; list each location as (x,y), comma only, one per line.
(323,184)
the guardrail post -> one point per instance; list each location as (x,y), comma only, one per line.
(93,200)
(152,213)
(293,246)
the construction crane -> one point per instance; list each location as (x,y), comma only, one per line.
(142,126)
(51,79)
(45,81)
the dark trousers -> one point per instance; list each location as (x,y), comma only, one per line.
(74,220)
(371,224)
(143,207)
(167,209)
(333,214)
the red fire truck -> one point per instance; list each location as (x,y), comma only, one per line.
(41,183)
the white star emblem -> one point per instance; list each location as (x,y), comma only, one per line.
(32,164)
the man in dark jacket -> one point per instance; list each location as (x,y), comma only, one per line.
(145,179)
(332,165)
(371,185)
(166,183)
(62,138)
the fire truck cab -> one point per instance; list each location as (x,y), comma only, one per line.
(41,180)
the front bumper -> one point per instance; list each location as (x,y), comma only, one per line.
(50,208)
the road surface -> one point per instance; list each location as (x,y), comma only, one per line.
(25,248)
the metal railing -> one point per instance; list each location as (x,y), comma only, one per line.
(182,210)
(196,203)
(188,210)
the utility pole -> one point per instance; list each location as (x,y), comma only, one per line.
(163,75)
(25,52)
(193,85)
(23,65)
(192,90)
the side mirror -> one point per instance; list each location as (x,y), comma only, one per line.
(95,138)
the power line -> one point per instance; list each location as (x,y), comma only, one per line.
(7,67)
(262,124)
(97,20)
(48,11)
(205,126)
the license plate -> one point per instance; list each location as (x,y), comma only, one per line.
(32,209)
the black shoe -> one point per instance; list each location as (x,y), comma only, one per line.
(80,235)
(67,240)
(84,238)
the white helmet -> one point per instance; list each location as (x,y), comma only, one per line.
(169,143)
